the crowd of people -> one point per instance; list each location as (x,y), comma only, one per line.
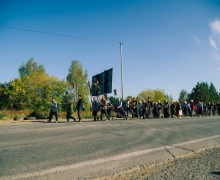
(150,109)
(133,109)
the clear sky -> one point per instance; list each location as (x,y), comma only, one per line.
(169,45)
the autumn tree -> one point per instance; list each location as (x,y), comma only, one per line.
(78,79)
(30,67)
(35,91)
(5,102)
(155,95)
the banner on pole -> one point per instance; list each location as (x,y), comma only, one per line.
(102,83)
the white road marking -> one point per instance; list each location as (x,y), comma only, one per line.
(103,160)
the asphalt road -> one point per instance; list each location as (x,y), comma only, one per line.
(88,150)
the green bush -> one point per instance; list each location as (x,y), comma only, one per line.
(2,116)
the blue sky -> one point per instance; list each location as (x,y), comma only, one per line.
(169,45)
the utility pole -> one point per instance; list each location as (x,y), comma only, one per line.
(122,76)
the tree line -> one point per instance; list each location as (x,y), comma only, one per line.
(202,92)
(34,88)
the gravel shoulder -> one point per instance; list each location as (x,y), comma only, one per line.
(204,164)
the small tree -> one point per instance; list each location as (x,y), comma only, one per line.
(78,78)
(183,96)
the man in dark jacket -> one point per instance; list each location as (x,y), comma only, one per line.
(79,107)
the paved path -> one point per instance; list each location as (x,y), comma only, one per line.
(95,149)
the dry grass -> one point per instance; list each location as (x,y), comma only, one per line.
(11,114)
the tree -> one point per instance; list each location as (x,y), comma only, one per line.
(35,91)
(183,96)
(30,67)
(214,97)
(155,95)
(204,93)
(5,102)
(79,77)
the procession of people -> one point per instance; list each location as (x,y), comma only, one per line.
(134,109)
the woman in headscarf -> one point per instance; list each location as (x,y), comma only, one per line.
(186,109)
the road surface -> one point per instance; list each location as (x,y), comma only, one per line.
(87,150)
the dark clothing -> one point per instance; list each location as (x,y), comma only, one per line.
(178,108)
(149,108)
(166,110)
(79,104)
(144,111)
(103,104)
(172,110)
(134,108)
(213,107)
(79,107)
(94,113)
(69,112)
(51,115)
(95,109)
(120,112)
(200,109)
(104,111)
(53,111)
(218,108)
(69,116)
(209,107)
(186,109)
(155,111)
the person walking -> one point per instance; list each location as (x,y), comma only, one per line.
(200,109)
(134,106)
(172,109)
(209,107)
(120,109)
(218,108)
(103,104)
(166,108)
(143,109)
(129,108)
(95,108)
(79,107)
(139,109)
(53,110)
(213,106)
(192,108)
(149,107)
(186,109)
(160,109)
(70,111)
(178,108)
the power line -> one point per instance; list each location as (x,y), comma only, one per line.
(86,38)
(49,33)
(157,59)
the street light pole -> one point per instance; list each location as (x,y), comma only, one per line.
(122,76)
